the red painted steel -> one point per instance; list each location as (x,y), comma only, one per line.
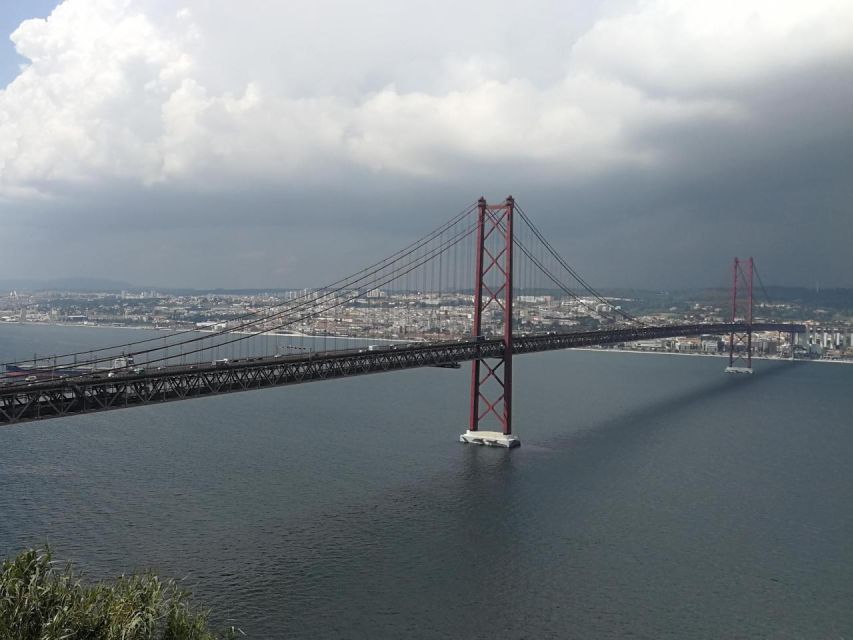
(477,328)
(495,229)
(736,339)
(749,314)
(510,208)
(734,313)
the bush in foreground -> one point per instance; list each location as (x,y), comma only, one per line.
(40,601)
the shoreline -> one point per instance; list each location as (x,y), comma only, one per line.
(707,355)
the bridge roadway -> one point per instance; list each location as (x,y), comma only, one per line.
(86,394)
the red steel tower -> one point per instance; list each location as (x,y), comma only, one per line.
(491,377)
(740,344)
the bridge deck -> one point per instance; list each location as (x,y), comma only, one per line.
(86,394)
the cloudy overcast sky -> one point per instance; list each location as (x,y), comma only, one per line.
(208,143)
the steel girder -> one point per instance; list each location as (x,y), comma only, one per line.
(53,399)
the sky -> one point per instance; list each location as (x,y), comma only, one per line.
(208,143)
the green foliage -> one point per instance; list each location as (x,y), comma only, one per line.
(40,601)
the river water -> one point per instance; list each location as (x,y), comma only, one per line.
(653,497)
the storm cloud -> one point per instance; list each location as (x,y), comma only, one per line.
(281,144)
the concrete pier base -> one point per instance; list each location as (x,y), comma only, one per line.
(738,369)
(490,439)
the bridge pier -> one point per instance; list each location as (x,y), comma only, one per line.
(490,439)
(747,370)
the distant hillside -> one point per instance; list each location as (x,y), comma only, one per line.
(834,300)
(809,298)
(66,284)
(840,299)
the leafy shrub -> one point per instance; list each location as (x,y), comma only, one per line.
(40,601)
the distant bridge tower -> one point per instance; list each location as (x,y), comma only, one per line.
(491,378)
(740,344)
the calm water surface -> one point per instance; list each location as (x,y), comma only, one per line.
(653,497)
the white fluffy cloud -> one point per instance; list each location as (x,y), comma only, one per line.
(211,94)
(682,47)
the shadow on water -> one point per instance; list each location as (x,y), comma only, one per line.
(652,416)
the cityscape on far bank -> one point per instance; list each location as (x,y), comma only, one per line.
(412,316)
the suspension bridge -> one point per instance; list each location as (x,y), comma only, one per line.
(483,287)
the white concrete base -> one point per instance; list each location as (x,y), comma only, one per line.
(490,439)
(738,370)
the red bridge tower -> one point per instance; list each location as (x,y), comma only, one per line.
(740,343)
(491,378)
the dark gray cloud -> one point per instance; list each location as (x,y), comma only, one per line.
(649,161)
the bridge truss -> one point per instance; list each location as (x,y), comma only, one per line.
(53,399)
